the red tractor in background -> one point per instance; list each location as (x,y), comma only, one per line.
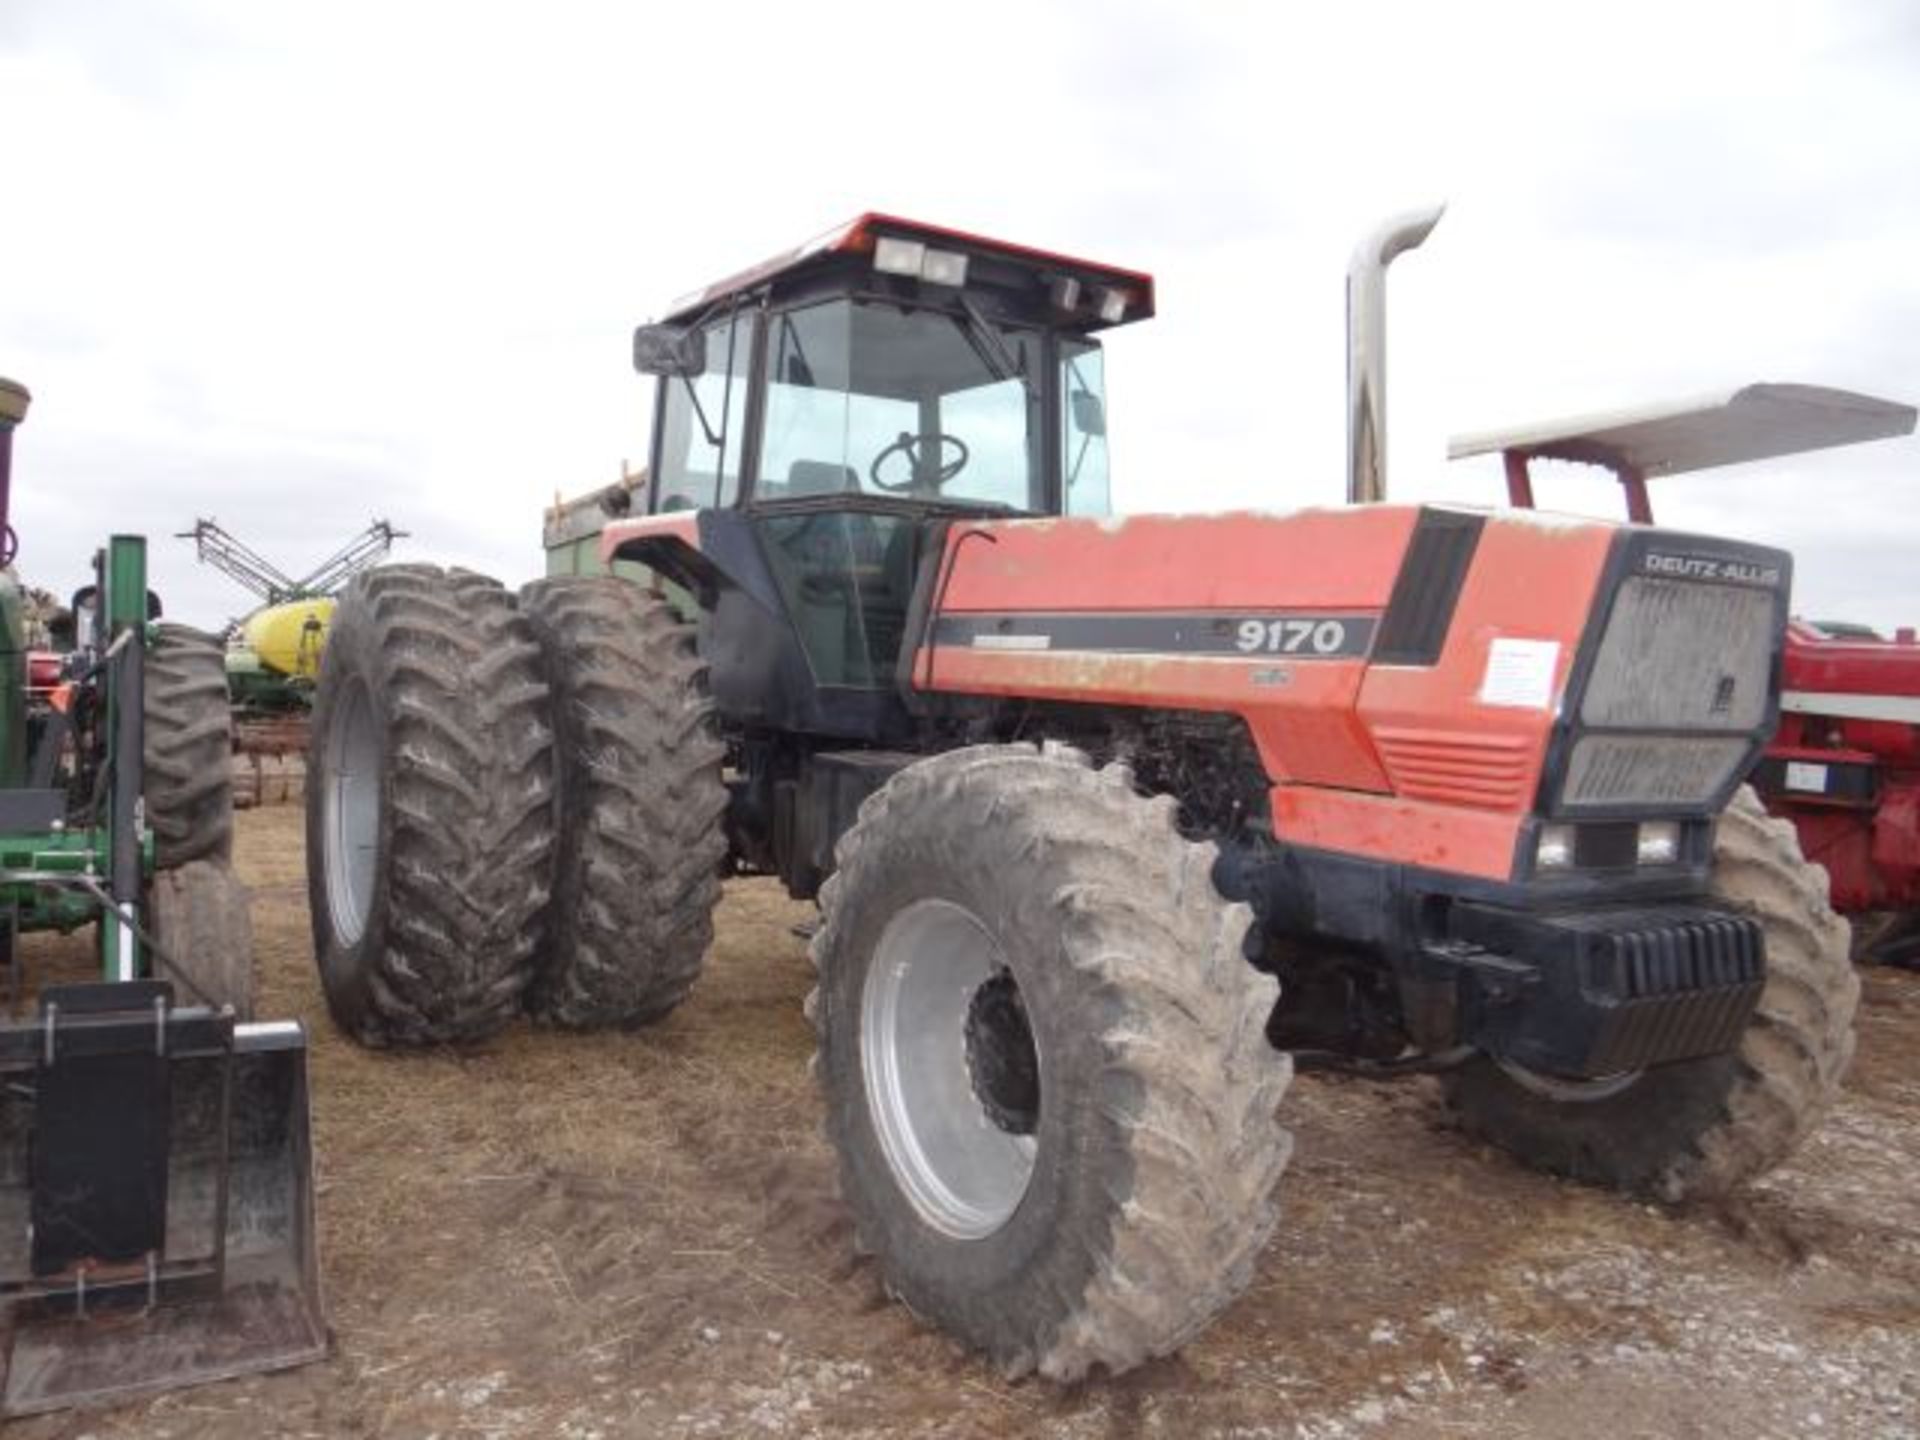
(1844,764)
(1845,768)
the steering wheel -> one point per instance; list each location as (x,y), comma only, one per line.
(909,445)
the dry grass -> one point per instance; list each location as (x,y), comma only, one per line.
(561,1235)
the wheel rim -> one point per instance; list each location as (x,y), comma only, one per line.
(1565,1089)
(351,819)
(951,1069)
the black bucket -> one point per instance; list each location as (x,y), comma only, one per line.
(156,1199)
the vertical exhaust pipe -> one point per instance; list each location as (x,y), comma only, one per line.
(1367,348)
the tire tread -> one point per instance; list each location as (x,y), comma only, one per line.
(1189,1085)
(467,824)
(641,798)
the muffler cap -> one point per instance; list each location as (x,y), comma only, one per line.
(14,400)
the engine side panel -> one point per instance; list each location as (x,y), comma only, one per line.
(1269,617)
(1273,618)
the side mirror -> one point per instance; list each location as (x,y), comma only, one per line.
(1089,415)
(669,350)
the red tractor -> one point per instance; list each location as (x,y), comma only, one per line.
(1844,764)
(1112,823)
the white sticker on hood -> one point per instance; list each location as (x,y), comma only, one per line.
(1520,674)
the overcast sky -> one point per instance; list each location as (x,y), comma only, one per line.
(298,266)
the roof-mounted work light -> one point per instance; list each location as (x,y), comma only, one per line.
(894,256)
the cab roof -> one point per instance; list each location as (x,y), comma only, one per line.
(860,236)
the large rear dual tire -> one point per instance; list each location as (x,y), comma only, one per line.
(640,800)
(429,807)
(512,804)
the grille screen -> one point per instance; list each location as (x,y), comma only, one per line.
(1650,769)
(1683,656)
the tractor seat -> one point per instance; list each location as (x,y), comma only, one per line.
(820,477)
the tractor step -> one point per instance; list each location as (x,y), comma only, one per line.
(156,1198)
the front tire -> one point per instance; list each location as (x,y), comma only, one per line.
(199,916)
(637,872)
(429,807)
(1701,1128)
(1044,1060)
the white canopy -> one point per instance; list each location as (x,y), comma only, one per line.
(1756,422)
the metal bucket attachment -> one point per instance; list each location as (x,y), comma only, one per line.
(156,1198)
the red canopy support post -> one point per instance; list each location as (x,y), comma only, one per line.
(1519,479)
(1634,482)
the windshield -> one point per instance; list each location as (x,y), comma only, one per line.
(867,398)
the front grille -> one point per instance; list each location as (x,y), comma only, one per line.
(1680,655)
(1650,770)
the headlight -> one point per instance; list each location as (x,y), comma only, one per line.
(1659,842)
(1555,848)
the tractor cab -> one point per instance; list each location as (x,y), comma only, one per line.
(832,408)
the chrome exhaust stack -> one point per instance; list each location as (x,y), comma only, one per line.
(1367,348)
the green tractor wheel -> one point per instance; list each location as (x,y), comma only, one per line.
(188,749)
(198,914)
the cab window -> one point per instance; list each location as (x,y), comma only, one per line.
(1083,429)
(703,423)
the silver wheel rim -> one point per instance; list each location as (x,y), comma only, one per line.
(964,1173)
(350,829)
(1564,1089)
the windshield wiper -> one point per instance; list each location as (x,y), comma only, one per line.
(991,346)
(717,440)
(1079,384)
(700,413)
(792,369)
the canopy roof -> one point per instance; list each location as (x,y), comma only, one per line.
(1756,422)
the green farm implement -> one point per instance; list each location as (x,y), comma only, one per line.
(156,1223)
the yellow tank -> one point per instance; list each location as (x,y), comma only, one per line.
(287,637)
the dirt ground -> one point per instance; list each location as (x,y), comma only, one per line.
(636,1235)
